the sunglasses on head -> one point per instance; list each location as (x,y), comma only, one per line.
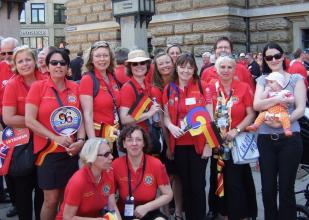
(56,62)
(106,154)
(99,44)
(271,57)
(139,63)
(10,53)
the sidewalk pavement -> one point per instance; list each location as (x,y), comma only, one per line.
(301,182)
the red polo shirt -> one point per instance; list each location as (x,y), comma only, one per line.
(103,106)
(241,73)
(121,74)
(154,176)
(5,74)
(242,98)
(128,96)
(42,96)
(16,91)
(90,197)
(297,67)
(157,93)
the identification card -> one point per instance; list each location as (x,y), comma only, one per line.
(129,207)
(190,101)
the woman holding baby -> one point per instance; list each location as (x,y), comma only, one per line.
(280,154)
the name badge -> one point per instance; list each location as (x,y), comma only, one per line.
(129,207)
(190,101)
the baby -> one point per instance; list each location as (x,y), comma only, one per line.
(274,87)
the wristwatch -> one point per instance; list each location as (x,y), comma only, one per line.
(238,129)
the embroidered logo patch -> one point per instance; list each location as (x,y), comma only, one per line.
(148,179)
(106,189)
(72,98)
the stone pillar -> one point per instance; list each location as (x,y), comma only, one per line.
(9,27)
(133,36)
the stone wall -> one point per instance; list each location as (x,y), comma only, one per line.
(197,34)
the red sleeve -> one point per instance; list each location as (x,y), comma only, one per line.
(86,86)
(74,192)
(110,181)
(156,92)
(161,174)
(300,69)
(206,73)
(10,94)
(248,96)
(247,77)
(34,95)
(127,96)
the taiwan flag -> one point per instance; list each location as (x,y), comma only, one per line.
(5,159)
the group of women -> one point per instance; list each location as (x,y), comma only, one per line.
(109,106)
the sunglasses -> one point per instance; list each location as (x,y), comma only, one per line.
(56,62)
(106,154)
(271,57)
(139,63)
(99,44)
(10,53)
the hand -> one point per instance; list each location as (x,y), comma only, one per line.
(169,154)
(230,135)
(75,148)
(154,109)
(140,211)
(207,152)
(175,131)
(64,141)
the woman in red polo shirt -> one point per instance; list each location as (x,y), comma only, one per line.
(135,94)
(58,155)
(100,102)
(91,189)
(179,97)
(13,112)
(233,112)
(138,177)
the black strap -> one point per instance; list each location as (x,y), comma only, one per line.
(129,176)
(200,86)
(60,103)
(134,88)
(96,83)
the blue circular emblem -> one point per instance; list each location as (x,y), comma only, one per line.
(66,120)
(106,189)
(148,179)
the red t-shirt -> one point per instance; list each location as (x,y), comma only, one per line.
(298,67)
(103,105)
(42,96)
(121,74)
(16,91)
(128,96)
(155,175)
(241,96)
(5,74)
(241,73)
(149,74)
(90,197)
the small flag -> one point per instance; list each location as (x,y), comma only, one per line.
(139,106)
(5,159)
(49,149)
(12,137)
(220,183)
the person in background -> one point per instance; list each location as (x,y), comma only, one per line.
(95,178)
(57,155)
(206,61)
(76,66)
(7,49)
(174,50)
(242,60)
(41,59)
(139,176)
(121,56)
(253,66)
(13,111)
(279,155)
(306,59)
(259,59)
(183,93)
(297,65)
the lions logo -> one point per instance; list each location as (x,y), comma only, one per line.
(148,179)
(106,189)
(71,98)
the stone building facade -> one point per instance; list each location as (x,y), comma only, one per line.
(196,24)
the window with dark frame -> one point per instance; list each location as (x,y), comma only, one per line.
(305,38)
(59,14)
(37,13)
(22,18)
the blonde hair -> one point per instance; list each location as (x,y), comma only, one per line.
(90,149)
(222,59)
(19,50)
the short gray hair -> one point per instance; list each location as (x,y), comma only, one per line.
(222,59)
(12,40)
(90,149)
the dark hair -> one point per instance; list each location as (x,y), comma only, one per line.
(223,39)
(80,53)
(64,55)
(185,58)
(173,45)
(297,53)
(121,55)
(158,51)
(265,67)
(127,131)
(157,78)
(129,71)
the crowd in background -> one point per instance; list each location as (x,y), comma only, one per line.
(139,161)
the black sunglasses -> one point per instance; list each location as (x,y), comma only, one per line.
(10,53)
(106,154)
(139,63)
(271,57)
(56,62)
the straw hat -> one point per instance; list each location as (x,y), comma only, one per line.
(137,56)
